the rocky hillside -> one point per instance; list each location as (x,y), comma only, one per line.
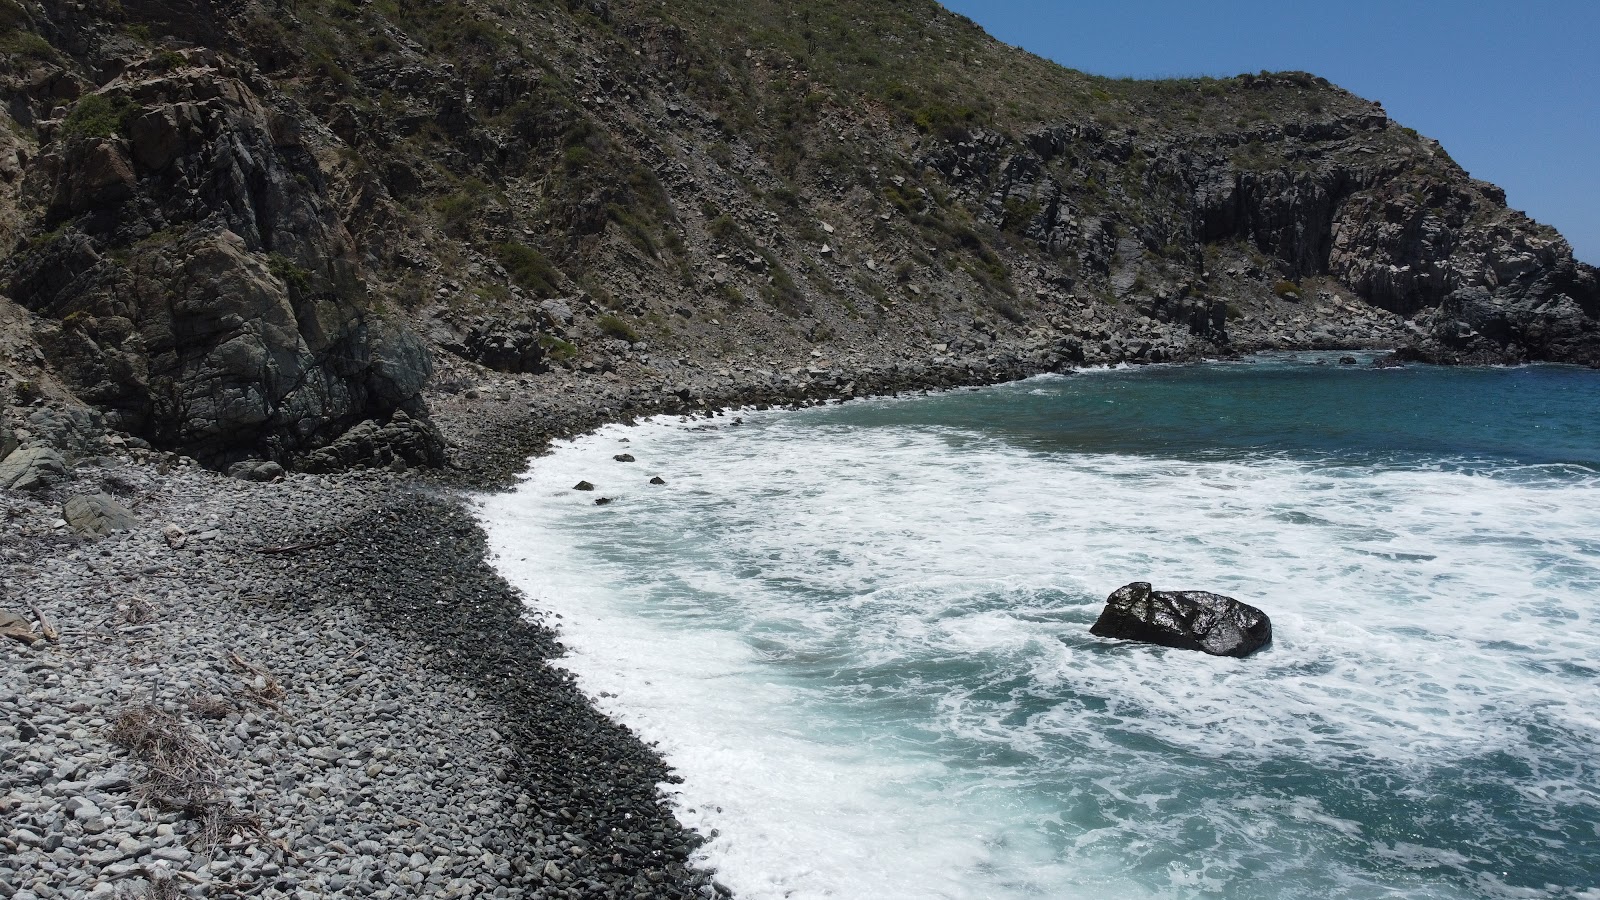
(270,228)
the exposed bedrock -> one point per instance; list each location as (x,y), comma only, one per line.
(194,280)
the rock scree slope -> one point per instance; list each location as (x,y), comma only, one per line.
(242,229)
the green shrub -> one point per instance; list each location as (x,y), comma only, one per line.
(459,210)
(297,279)
(726,230)
(167,61)
(1287,290)
(528,268)
(97,116)
(635,229)
(615,326)
(30,46)
(557,349)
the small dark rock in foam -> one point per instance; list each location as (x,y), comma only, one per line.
(658,480)
(1187,620)
(583,486)
(601,501)
(623,457)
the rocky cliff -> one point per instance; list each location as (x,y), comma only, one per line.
(246,228)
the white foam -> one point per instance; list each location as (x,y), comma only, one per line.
(778,617)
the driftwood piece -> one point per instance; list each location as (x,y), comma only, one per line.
(45,627)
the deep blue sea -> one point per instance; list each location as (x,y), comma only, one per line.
(861,632)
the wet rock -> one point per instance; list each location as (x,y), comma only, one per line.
(32,469)
(602,501)
(1187,620)
(1347,360)
(97,515)
(623,457)
(658,480)
(583,486)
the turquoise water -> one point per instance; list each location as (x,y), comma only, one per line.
(861,632)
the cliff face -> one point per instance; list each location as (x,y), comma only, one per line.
(198,285)
(243,228)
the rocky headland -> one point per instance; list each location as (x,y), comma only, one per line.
(284,283)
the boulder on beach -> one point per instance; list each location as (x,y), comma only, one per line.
(32,469)
(623,457)
(583,486)
(96,515)
(1187,620)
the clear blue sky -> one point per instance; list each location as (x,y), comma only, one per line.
(1512,90)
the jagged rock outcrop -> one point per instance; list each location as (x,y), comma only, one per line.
(1410,234)
(400,442)
(198,284)
(1186,620)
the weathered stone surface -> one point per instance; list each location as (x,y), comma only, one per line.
(97,515)
(1187,620)
(255,470)
(505,345)
(244,330)
(8,440)
(400,442)
(32,469)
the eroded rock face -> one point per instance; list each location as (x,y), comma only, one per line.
(1187,620)
(206,293)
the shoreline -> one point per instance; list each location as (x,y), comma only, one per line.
(395,705)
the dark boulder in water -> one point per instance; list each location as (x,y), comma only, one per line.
(583,486)
(658,480)
(1187,620)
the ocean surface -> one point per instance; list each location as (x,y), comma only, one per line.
(861,632)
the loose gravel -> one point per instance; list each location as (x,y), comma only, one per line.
(359,705)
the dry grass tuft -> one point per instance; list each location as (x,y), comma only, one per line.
(210,706)
(260,685)
(139,611)
(180,774)
(159,887)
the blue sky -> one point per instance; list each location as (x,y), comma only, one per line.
(1512,90)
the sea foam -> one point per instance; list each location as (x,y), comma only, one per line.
(865,649)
